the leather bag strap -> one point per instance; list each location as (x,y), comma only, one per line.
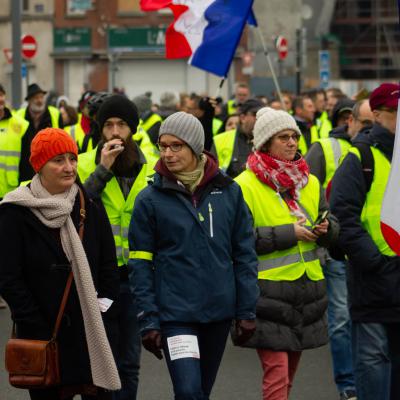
(82,216)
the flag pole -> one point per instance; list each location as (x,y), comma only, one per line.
(266,53)
(218,92)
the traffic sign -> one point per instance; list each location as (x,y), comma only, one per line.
(324,68)
(28,46)
(281,45)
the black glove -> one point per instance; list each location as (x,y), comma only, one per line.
(245,329)
(152,342)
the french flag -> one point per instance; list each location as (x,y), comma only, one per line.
(390,217)
(207,31)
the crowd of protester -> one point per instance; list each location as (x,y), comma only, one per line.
(256,216)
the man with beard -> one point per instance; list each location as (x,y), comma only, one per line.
(115,172)
(39,117)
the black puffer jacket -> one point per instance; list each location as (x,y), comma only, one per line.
(291,314)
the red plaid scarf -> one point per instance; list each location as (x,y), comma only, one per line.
(285,177)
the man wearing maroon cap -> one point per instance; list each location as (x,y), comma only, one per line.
(374,269)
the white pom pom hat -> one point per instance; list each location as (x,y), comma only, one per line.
(269,122)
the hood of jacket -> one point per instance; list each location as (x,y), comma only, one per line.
(340,132)
(379,137)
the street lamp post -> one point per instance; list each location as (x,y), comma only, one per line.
(16,79)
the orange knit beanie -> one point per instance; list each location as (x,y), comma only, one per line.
(48,143)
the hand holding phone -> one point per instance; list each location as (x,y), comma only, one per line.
(321,218)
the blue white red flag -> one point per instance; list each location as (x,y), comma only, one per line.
(207,31)
(390,216)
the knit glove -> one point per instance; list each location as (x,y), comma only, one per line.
(245,329)
(151,341)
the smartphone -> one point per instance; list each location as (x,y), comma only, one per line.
(321,218)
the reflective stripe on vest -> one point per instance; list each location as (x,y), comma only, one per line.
(119,209)
(333,149)
(11,132)
(224,146)
(265,265)
(268,210)
(371,212)
(77,133)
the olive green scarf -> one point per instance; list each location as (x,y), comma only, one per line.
(192,179)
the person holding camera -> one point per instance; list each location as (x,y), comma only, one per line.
(291,220)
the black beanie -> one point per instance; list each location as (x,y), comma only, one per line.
(118,106)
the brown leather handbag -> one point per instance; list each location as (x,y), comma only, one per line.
(34,364)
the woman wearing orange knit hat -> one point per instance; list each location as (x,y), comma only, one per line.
(40,247)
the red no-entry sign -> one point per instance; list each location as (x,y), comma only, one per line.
(28,46)
(282,47)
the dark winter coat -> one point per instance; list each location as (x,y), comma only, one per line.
(374,278)
(291,315)
(33,274)
(204,266)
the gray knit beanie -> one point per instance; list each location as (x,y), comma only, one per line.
(185,127)
(269,122)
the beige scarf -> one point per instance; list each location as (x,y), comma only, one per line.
(54,211)
(192,179)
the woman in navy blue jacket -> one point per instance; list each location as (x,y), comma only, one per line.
(193,259)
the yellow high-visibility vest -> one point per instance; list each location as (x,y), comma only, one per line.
(371,212)
(54,115)
(118,209)
(224,146)
(269,209)
(334,150)
(12,131)
(153,119)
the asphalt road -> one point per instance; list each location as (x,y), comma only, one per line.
(239,377)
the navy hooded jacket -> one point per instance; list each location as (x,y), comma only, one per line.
(374,278)
(204,265)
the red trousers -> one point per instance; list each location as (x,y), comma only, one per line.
(279,368)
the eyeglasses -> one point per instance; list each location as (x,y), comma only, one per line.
(174,147)
(286,137)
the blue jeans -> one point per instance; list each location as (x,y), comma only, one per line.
(339,324)
(193,378)
(376,353)
(129,347)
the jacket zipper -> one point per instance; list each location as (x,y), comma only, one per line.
(211,220)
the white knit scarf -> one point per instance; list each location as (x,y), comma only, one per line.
(54,211)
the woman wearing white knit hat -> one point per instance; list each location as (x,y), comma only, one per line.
(291,221)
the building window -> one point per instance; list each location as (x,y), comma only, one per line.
(128,6)
(25,5)
(78,7)
(39,8)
